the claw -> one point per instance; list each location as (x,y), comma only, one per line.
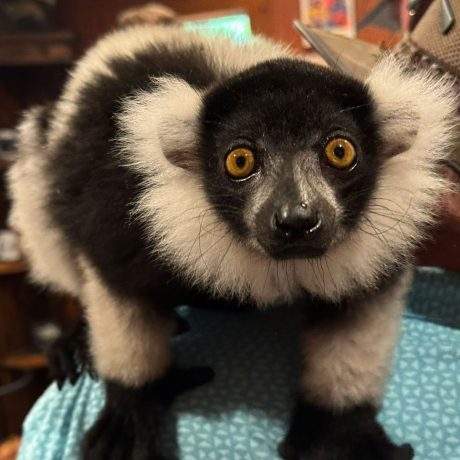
(285,451)
(404,452)
(123,430)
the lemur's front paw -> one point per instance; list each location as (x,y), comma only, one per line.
(319,434)
(123,436)
(129,424)
(361,448)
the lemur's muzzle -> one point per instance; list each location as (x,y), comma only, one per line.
(296,221)
(291,229)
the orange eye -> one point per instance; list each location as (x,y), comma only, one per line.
(240,163)
(340,153)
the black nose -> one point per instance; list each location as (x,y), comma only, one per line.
(294,221)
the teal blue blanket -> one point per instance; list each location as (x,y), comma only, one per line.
(243,413)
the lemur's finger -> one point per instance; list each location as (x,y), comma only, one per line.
(285,451)
(66,363)
(71,368)
(92,373)
(404,452)
(59,367)
(53,372)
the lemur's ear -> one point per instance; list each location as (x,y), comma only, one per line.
(179,107)
(161,124)
(398,129)
(412,107)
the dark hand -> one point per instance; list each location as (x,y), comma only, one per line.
(355,434)
(130,422)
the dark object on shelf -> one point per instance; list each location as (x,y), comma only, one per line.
(8,142)
(8,150)
(151,13)
(36,48)
(26,15)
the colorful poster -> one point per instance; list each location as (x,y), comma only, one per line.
(335,15)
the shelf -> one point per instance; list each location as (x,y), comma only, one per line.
(22,361)
(13,268)
(46,48)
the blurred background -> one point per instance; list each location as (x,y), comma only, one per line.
(39,41)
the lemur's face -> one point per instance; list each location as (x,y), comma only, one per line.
(290,157)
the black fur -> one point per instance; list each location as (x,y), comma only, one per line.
(321,312)
(130,422)
(87,173)
(69,356)
(353,434)
(281,108)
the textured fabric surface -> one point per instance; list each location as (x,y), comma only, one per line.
(243,413)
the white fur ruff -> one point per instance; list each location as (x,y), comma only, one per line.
(177,213)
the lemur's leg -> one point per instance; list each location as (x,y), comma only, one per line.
(69,355)
(347,356)
(130,346)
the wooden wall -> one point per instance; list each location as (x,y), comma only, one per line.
(90,18)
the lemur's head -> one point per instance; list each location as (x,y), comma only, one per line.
(290,154)
(287,165)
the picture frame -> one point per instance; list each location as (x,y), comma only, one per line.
(337,16)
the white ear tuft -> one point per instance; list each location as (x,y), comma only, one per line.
(162,124)
(413,107)
(179,107)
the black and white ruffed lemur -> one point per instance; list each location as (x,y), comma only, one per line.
(177,168)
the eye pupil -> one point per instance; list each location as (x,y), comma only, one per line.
(339,151)
(240,161)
